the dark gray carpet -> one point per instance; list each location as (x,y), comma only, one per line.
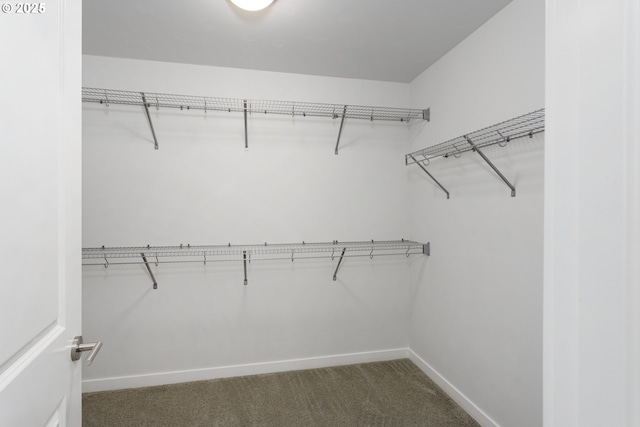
(392,394)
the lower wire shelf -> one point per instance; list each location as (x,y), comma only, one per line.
(108,256)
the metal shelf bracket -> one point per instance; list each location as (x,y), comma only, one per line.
(495,169)
(430,176)
(344,113)
(153,132)
(246,135)
(335,273)
(146,263)
(244,261)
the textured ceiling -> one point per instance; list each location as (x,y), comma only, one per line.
(388,40)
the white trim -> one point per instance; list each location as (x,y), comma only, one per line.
(632,15)
(471,408)
(174,377)
(591,298)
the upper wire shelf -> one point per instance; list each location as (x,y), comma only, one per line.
(205,103)
(188,102)
(107,256)
(501,133)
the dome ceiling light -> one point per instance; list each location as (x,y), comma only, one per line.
(252,5)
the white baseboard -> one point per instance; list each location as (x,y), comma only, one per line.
(174,377)
(483,419)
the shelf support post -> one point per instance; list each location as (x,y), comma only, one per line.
(246,136)
(430,176)
(153,132)
(144,258)
(344,113)
(335,273)
(495,169)
(244,261)
(426,249)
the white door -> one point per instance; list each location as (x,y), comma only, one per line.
(40,212)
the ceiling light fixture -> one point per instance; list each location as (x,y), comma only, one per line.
(252,5)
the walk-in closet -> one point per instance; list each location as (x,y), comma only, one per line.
(239,221)
(291,223)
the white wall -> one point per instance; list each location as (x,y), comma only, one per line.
(477,306)
(203,187)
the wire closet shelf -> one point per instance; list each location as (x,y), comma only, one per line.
(205,103)
(500,134)
(146,255)
(267,251)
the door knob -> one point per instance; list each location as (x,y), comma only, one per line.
(77,347)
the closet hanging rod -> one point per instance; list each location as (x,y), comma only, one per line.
(526,125)
(205,103)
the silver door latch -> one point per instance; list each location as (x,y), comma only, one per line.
(77,347)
